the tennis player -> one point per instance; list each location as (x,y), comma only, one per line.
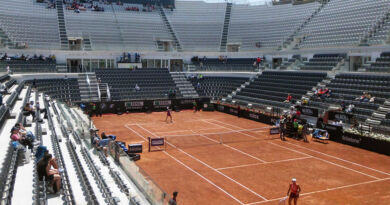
(195,106)
(168,115)
(293,190)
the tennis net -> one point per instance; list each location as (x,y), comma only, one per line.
(197,139)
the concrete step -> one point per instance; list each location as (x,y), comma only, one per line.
(373,121)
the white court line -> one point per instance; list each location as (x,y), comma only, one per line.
(235,149)
(341,159)
(131,123)
(215,133)
(325,190)
(354,163)
(197,173)
(271,162)
(189,168)
(212,168)
(174,131)
(312,156)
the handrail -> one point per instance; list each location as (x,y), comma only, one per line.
(69,197)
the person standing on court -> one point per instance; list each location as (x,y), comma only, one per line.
(293,192)
(173,201)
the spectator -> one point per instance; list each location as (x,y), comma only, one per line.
(298,114)
(173,201)
(40,153)
(350,108)
(42,110)
(8,70)
(288,99)
(27,110)
(137,88)
(343,106)
(26,134)
(17,137)
(3,89)
(104,136)
(44,169)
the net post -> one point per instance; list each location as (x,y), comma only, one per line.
(149,143)
(165,143)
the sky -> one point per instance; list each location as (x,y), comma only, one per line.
(253,2)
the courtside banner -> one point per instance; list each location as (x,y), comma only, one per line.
(337,116)
(161,103)
(134,105)
(134,148)
(153,142)
(309,111)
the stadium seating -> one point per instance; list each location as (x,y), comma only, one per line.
(348,87)
(217,87)
(26,21)
(198,25)
(342,23)
(231,64)
(153,83)
(382,64)
(323,62)
(29,66)
(272,87)
(268,25)
(61,89)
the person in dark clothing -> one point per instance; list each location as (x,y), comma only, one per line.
(45,171)
(1,99)
(27,110)
(104,136)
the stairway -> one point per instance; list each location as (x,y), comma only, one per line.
(380,114)
(169,27)
(87,43)
(104,90)
(89,89)
(226,27)
(294,39)
(185,87)
(61,25)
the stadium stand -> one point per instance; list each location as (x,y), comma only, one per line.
(268,25)
(349,88)
(217,87)
(342,23)
(198,25)
(152,82)
(228,64)
(61,89)
(323,62)
(26,21)
(381,64)
(272,87)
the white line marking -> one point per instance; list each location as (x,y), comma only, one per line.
(310,155)
(189,168)
(360,165)
(324,160)
(212,183)
(174,131)
(216,133)
(271,162)
(211,168)
(325,190)
(247,154)
(341,159)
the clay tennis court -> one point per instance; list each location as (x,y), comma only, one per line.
(249,166)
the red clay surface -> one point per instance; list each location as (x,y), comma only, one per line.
(250,167)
